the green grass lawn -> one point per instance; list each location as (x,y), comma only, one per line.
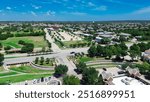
(13,42)
(87,59)
(28,69)
(99,67)
(14,79)
(84,59)
(102,64)
(7,73)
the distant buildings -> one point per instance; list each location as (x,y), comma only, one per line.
(86,35)
(106,34)
(98,39)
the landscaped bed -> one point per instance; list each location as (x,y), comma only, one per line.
(28,69)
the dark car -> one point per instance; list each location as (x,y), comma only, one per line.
(72,52)
(121,72)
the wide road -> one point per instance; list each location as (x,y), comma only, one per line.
(63,53)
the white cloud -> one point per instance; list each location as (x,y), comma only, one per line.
(143,10)
(33,13)
(8,8)
(91,4)
(36,7)
(50,13)
(101,8)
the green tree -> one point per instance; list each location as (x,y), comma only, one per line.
(47,60)
(90,77)
(108,52)
(7,48)
(105,41)
(143,46)
(71,80)
(123,46)
(42,60)
(100,50)
(81,66)
(1,58)
(36,60)
(92,51)
(100,80)
(27,48)
(1,46)
(60,70)
(135,51)
(49,45)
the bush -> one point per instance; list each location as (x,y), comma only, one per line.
(7,48)
(21,42)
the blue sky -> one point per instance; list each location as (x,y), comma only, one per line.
(74,10)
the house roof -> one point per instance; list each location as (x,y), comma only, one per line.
(106,75)
(147,51)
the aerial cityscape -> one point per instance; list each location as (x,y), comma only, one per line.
(78,42)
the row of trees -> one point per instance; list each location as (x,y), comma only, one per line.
(108,51)
(39,33)
(119,50)
(58,41)
(41,60)
(5,36)
(8,34)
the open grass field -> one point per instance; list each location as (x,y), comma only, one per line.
(28,69)
(19,78)
(13,42)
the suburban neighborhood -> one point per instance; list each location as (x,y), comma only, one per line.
(75,53)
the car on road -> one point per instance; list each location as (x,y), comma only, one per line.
(72,52)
